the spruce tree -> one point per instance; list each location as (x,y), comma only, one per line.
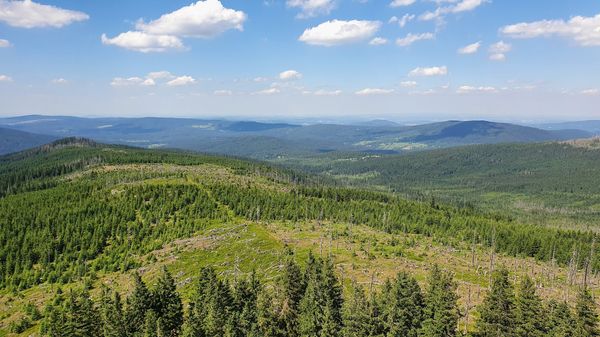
(151,324)
(560,320)
(167,305)
(529,313)
(293,290)
(332,292)
(586,316)
(404,306)
(497,312)
(362,316)
(310,318)
(112,314)
(269,323)
(138,303)
(441,312)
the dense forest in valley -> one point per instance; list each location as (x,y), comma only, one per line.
(546,183)
(74,212)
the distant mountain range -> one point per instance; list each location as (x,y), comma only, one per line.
(274,140)
(15,140)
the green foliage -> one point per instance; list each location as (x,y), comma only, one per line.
(441,309)
(586,316)
(498,309)
(530,315)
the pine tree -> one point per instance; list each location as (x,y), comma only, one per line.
(293,290)
(167,305)
(138,303)
(441,309)
(112,314)
(268,322)
(362,316)
(497,312)
(86,317)
(404,306)
(529,313)
(332,292)
(310,318)
(560,320)
(586,316)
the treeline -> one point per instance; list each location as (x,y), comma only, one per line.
(309,302)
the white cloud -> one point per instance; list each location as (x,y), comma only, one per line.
(467,89)
(337,32)
(4,43)
(181,81)
(498,51)
(430,71)
(269,91)
(312,8)
(401,3)
(585,31)
(408,84)
(290,75)
(378,41)
(373,91)
(60,81)
(406,18)
(159,75)
(462,6)
(260,79)
(470,49)
(125,82)
(222,93)
(143,42)
(412,38)
(327,92)
(29,14)
(591,92)
(5,78)
(203,19)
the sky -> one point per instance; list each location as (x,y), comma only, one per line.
(403,60)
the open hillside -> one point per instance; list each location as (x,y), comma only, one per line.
(548,183)
(77,214)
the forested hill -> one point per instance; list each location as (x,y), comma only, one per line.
(80,215)
(556,183)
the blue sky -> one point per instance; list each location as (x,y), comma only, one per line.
(405,60)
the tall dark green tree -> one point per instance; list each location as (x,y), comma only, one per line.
(112,314)
(293,290)
(404,306)
(151,324)
(497,312)
(560,321)
(138,303)
(332,293)
(362,316)
(586,316)
(529,312)
(441,312)
(167,305)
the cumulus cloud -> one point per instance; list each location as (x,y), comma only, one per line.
(290,75)
(269,91)
(373,91)
(203,19)
(181,81)
(4,43)
(29,14)
(470,49)
(467,89)
(312,8)
(378,41)
(585,31)
(337,32)
(143,42)
(429,71)
(5,78)
(412,38)
(401,3)
(461,6)
(60,81)
(498,51)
